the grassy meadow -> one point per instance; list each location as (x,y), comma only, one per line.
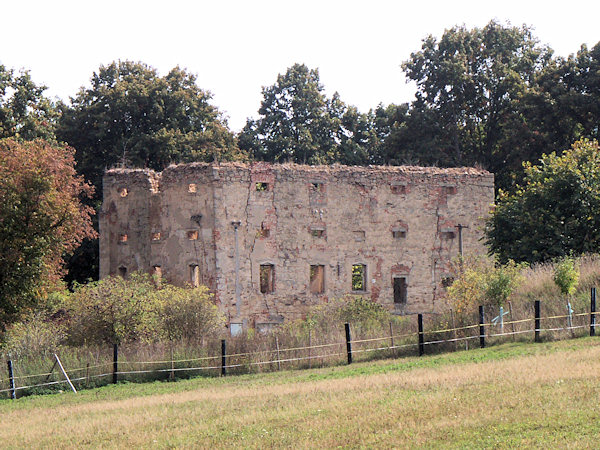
(513,394)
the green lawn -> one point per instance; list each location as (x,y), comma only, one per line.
(534,395)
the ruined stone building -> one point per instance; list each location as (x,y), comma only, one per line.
(273,240)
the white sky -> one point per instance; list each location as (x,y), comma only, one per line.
(236,47)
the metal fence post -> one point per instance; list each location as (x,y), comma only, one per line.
(115,363)
(348,343)
(223,357)
(421,343)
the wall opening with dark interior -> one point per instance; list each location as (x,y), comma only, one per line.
(267,278)
(317,279)
(400,291)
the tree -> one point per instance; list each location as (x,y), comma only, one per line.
(471,81)
(295,124)
(132,116)
(555,212)
(24,111)
(41,218)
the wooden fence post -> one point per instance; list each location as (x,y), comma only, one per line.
(223,357)
(115,377)
(11,379)
(278,357)
(537,320)
(420,326)
(593,312)
(392,339)
(348,343)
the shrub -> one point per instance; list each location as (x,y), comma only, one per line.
(37,335)
(566,275)
(113,310)
(188,314)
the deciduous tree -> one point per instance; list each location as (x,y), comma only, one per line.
(41,218)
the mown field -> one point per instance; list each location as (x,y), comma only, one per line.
(534,395)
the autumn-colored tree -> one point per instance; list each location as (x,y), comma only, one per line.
(41,219)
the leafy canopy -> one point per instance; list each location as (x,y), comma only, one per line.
(41,218)
(24,111)
(130,115)
(555,212)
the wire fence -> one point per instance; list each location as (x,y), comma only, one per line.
(347,350)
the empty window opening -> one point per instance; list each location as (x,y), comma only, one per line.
(317,186)
(400,290)
(123,192)
(156,236)
(359,236)
(317,279)
(267,275)
(123,238)
(192,235)
(399,189)
(449,190)
(194,275)
(359,277)
(261,186)
(264,231)
(447,281)
(123,272)
(317,232)
(192,188)
(447,234)
(235,329)
(157,274)
(398,233)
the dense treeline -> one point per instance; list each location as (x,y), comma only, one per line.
(492,97)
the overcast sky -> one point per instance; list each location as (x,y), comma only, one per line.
(236,47)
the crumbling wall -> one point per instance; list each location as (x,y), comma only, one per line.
(306,226)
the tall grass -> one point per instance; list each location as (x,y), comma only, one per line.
(317,341)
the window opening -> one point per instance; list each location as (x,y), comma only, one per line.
(400,290)
(317,232)
(157,274)
(317,186)
(123,238)
(194,275)
(447,281)
(447,234)
(264,231)
(235,329)
(123,272)
(123,192)
(359,277)
(192,188)
(156,236)
(449,190)
(192,235)
(267,272)
(261,186)
(398,189)
(359,236)
(398,234)
(317,279)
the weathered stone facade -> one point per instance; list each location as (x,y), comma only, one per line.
(273,240)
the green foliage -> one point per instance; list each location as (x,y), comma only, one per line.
(555,213)
(137,309)
(188,314)
(299,123)
(566,275)
(24,111)
(36,335)
(502,281)
(470,83)
(113,311)
(481,282)
(132,116)
(41,218)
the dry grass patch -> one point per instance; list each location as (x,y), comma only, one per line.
(548,398)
